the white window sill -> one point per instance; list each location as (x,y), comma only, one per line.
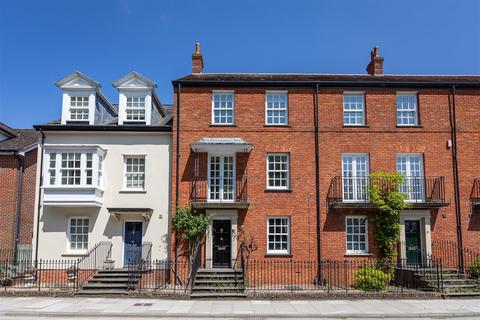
(71,187)
(280,254)
(132,191)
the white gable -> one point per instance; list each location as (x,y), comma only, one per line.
(77,83)
(135,83)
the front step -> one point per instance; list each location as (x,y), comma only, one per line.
(218,283)
(107,282)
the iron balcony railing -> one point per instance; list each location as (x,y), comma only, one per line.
(417,190)
(219,189)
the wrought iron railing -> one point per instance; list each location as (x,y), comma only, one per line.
(138,263)
(92,261)
(357,189)
(219,189)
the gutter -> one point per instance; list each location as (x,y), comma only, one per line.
(39,204)
(456,183)
(317,185)
(82,127)
(21,158)
(330,84)
(177,179)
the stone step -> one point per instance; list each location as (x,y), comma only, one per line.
(123,270)
(102,293)
(219,270)
(217,289)
(111,275)
(216,295)
(200,281)
(110,280)
(94,286)
(453,295)
(219,276)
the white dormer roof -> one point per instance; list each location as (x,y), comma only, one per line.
(77,81)
(134,81)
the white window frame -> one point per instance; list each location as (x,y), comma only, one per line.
(287,187)
(410,176)
(415,110)
(267,93)
(125,157)
(213,107)
(366,235)
(97,154)
(71,96)
(289,236)
(356,182)
(127,108)
(362,111)
(69,224)
(222,175)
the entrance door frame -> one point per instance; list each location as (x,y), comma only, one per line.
(231,215)
(123,236)
(423,216)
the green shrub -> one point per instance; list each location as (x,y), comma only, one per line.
(370,277)
(474,270)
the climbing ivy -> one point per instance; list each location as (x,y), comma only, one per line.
(385,193)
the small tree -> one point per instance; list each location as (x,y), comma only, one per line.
(192,227)
(385,193)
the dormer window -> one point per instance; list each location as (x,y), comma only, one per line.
(79,108)
(135,109)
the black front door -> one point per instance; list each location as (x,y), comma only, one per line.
(221,243)
(413,242)
(133,242)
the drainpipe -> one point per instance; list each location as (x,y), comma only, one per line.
(317,182)
(177,179)
(39,204)
(456,184)
(21,158)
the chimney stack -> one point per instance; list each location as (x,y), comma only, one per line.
(375,67)
(197,60)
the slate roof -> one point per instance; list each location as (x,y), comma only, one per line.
(328,78)
(19,139)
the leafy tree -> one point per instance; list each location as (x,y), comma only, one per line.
(192,227)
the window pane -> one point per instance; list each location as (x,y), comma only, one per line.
(278,235)
(276,108)
(407,109)
(135,110)
(223,108)
(278,171)
(353,109)
(79,233)
(356,236)
(135,172)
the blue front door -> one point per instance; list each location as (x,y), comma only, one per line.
(133,242)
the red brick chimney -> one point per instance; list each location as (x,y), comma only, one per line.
(375,67)
(197,60)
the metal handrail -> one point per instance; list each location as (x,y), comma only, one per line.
(356,189)
(194,267)
(90,261)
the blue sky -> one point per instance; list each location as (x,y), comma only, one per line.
(42,41)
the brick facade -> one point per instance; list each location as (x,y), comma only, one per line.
(380,138)
(9,171)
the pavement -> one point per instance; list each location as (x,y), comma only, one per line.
(115,308)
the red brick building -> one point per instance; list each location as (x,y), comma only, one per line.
(289,158)
(18,165)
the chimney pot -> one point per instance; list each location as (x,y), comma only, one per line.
(197,60)
(375,67)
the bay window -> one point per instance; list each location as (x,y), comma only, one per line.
(73,167)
